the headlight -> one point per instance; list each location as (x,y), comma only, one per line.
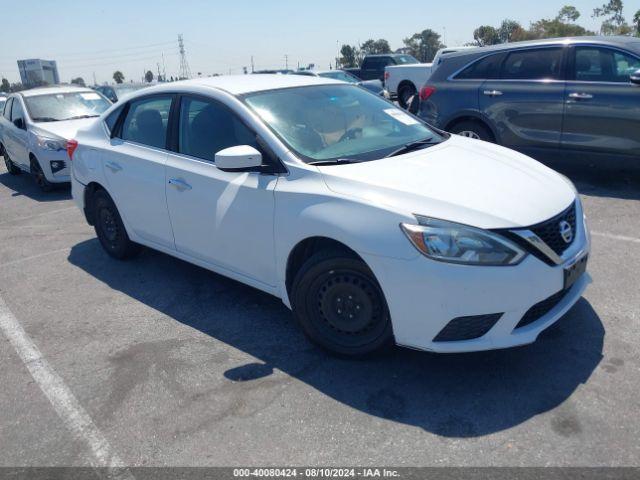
(47,143)
(456,243)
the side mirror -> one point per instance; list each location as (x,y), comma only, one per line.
(635,77)
(237,159)
(19,123)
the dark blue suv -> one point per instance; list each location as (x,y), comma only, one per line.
(574,95)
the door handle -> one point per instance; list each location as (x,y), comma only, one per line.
(179,184)
(113,166)
(580,96)
(492,93)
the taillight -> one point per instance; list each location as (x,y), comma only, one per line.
(426,92)
(386,75)
(71,147)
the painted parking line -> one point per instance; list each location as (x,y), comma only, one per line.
(622,238)
(76,419)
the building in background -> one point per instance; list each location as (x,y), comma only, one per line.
(35,72)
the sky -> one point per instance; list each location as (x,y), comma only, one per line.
(96,38)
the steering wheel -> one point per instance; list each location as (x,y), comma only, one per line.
(351,134)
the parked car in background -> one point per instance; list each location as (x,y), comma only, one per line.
(403,81)
(372,66)
(282,71)
(574,95)
(116,92)
(372,226)
(374,86)
(36,124)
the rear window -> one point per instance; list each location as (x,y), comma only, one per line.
(536,64)
(484,69)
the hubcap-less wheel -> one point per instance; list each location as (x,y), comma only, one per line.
(348,308)
(109,226)
(38,174)
(469,134)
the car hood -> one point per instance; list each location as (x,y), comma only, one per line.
(372,85)
(460,180)
(66,129)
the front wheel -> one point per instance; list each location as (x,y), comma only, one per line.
(39,176)
(12,168)
(405,96)
(340,305)
(110,229)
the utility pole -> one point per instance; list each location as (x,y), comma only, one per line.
(252,65)
(159,76)
(286,61)
(94,79)
(184,72)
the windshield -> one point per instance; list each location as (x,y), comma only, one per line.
(338,75)
(406,60)
(327,122)
(65,106)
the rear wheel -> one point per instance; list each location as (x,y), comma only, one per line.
(12,168)
(340,305)
(110,229)
(473,129)
(405,95)
(40,178)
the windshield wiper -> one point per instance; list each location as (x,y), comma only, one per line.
(409,147)
(335,161)
(77,117)
(45,119)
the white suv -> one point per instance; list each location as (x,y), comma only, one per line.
(36,124)
(372,226)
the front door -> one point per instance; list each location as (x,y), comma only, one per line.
(526,102)
(134,167)
(223,218)
(18,150)
(602,112)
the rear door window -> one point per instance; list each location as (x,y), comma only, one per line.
(7,109)
(534,64)
(147,120)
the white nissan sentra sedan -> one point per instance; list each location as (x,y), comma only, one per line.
(36,124)
(369,224)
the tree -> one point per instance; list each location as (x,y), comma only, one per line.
(636,23)
(424,45)
(486,35)
(614,22)
(118,76)
(375,46)
(148,77)
(5,86)
(510,31)
(348,56)
(78,81)
(568,14)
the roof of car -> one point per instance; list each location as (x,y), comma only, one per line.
(241,84)
(53,90)
(631,42)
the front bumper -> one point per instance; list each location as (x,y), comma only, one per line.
(55,165)
(424,296)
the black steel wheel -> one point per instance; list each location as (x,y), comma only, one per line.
(340,305)
(110,229)
(405,96)
(39,176)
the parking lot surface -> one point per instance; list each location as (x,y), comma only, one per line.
(169,364)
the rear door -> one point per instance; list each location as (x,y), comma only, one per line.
(134,167)
(602,112)
(525,104)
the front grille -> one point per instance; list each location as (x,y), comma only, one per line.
(467,328)
(549,231)
(540,309)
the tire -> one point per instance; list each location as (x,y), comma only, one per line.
(405,93)
(110,229)
(12,168)
(39,176)
(473,129)
(340,305)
